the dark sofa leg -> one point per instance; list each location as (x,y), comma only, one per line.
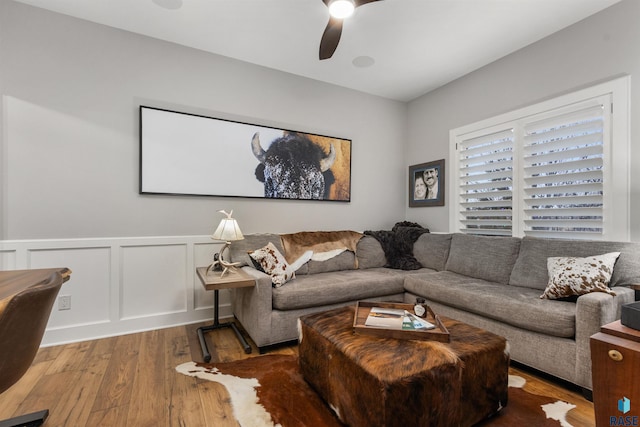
(264,349)
(587,394)
(34,419)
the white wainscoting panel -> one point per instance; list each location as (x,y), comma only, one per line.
(8,260)
(154,280)
(122,285)
(90,288)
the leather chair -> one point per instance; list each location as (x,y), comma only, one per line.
(23,319)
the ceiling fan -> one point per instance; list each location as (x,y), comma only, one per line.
(339,9)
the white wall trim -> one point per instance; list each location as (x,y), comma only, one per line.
(121,285)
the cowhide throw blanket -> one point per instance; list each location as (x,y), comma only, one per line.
(397,244)
(269,391)
(324,244)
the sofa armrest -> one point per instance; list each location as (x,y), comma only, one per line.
(252,306)
(592,311)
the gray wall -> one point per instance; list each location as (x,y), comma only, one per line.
(69,125)
(71,91)
(599,48)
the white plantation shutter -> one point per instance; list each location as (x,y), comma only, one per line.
(563,161)
(559,168)
(485,177)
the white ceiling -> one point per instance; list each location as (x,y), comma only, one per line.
(417,45)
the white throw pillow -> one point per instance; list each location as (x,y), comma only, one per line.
(275,265)
(572,276)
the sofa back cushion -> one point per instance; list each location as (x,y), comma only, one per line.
(345,261)
(370,254)
(531,270)
(432,250)
(484,257)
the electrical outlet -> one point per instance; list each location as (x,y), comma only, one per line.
(64,302)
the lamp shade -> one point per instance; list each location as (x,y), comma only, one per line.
(228,230)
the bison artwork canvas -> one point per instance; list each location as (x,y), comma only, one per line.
(190,154)
(295,167)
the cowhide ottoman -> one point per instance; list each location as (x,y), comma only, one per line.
(370,381)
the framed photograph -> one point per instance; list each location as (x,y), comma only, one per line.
(189,154)
(426,184)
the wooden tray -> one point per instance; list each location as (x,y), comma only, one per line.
(440,333)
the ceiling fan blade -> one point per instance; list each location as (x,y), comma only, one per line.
(330,38)
(356,2)
(361,2)
(331,35)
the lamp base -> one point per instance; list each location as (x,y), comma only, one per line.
(220,264)
(226,267)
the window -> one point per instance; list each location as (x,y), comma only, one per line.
(485,174)
(559,168)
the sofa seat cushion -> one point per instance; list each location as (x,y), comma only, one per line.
(517,306)
(336,287)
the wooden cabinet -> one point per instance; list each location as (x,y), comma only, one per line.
(615,358)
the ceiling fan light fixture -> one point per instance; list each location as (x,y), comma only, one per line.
(341,9)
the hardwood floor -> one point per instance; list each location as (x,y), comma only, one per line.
(131,380)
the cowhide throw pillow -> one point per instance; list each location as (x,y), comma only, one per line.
(275,265)
(572,276)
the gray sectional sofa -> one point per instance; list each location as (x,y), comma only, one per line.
(491,282)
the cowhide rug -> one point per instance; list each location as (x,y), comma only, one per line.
(269,391)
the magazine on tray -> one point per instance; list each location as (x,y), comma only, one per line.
(396,318)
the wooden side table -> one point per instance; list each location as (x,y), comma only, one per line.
(615,359)
(213,281)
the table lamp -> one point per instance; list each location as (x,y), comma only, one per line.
(227,231)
